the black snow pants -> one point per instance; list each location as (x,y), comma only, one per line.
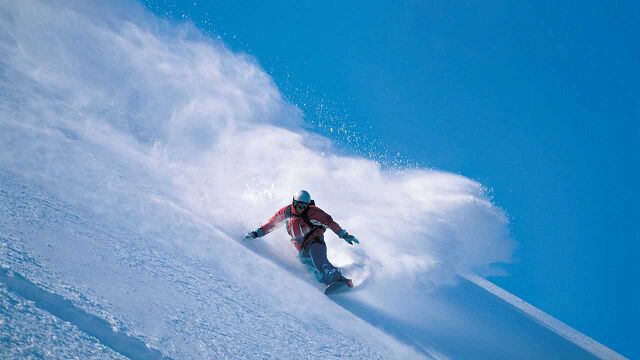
(317,253)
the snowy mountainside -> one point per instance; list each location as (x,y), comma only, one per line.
(190,306)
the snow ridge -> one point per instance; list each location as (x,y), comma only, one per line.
(557,326)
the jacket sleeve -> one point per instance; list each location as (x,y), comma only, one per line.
(274,222)
(318,217)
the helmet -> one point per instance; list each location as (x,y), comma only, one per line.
(301,196)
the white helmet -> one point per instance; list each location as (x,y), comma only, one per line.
(302,196)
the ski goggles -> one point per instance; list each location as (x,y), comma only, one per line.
(300,204)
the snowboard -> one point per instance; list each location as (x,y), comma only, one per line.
(336,288)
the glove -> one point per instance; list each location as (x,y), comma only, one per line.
(344,235)
(250,236)
(351,239)
(253,234)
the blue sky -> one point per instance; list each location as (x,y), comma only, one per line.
(540,102)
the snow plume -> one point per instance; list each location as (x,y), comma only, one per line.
(123,114)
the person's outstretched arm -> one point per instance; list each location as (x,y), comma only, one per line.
(274,222)
(318,217)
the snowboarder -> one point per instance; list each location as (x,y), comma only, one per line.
(306,224)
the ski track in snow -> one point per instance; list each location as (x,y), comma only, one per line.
(27,331)
(202,315)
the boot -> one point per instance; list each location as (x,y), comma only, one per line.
(348,281)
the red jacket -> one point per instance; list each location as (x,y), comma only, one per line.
(297,227)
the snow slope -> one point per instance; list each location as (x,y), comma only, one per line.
(134,154)
(185,306)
